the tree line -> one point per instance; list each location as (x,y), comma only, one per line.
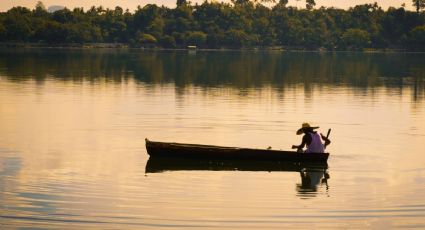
(238,24)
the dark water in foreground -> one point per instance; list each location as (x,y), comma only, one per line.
(73,123)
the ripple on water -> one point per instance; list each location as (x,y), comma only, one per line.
(72,153)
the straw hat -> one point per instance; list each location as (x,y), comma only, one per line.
(305,126)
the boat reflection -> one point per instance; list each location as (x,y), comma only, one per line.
(313,174)
(161,164)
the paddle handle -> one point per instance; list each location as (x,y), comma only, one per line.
(329,132)
(327,142)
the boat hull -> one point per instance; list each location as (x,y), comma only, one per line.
(193,151)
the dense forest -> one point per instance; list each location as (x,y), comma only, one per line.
(239,24)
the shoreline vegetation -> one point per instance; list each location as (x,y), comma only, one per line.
(239,25)
(188,48)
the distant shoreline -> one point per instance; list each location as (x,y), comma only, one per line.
(127,46)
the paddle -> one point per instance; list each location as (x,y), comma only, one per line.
(327,141)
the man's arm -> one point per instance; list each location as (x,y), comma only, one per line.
(301,146)
(327,141)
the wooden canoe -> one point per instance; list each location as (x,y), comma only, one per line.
(195,151)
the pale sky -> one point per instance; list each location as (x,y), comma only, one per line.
(132,4)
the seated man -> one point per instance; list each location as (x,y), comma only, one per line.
(312,139)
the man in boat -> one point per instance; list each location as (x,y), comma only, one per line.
(311,139)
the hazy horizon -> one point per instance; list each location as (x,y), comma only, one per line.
(132,4)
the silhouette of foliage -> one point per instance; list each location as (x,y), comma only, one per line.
(239,24)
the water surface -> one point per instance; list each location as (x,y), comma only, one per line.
(73,123)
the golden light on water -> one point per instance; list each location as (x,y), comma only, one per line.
(72,150)
(60,117)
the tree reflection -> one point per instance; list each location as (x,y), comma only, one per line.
(236,69)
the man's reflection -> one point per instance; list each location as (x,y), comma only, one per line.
(311,180)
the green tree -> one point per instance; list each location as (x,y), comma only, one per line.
(210,17)
(294,35)
(82,33)
(283,2)
(63,16)
(146,39)
(52,32)
(197,38)
(2,32)
(309,4)
(236,38)
(149,20)
(216,40)
(419,4)
(356,39)
(168,42)
(262,25)
(18,24)
(112,24)
(181,2)
(40,10)
(416,39)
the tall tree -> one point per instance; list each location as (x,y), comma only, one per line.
(181,2)
(309,4)
(40,7)
(419,4)
(283,2)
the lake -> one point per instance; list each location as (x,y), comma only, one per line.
(73,124)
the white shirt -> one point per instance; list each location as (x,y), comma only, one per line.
(316,145)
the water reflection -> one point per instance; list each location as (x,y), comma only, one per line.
(311,180)
(313,174)
(162,164)
(211,69)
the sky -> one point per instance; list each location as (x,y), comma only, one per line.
(132,4)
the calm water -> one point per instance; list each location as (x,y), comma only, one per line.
(73,123)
